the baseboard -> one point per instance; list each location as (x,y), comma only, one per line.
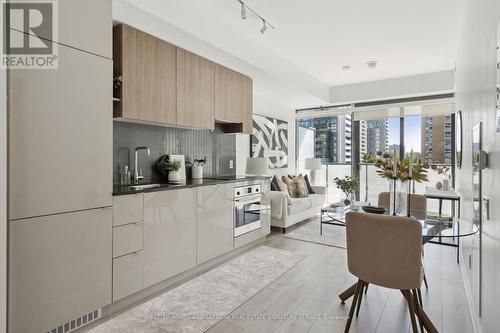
(476,324)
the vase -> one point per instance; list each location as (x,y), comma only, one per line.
(398,197)
(174,176)
(349,198)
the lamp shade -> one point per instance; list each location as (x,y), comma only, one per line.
(257,166)
(312,164)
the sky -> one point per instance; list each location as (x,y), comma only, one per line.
(412,132)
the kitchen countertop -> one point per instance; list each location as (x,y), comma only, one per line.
(126,189)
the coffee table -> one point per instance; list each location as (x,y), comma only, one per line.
(335,214)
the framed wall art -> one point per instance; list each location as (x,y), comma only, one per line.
(270,140)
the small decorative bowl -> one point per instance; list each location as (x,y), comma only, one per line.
(374,210)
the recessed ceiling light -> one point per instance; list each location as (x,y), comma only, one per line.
(346,67)
(372,63)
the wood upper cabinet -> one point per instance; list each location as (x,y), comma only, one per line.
(195,90)
(247,105)
(233,98)
(168,85)
(148,67)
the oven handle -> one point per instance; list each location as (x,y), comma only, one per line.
(248,201)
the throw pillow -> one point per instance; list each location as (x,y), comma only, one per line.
(274,187)
(294,188)
(308,184)
(274,182)
(302,184)
(281,185)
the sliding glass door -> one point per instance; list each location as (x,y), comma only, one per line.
(423,131)
(326,135)
(346,139)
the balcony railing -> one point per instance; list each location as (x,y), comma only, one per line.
(371,184)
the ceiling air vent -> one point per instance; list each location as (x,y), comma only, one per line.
(77,323)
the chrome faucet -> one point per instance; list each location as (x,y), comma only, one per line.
(138,173)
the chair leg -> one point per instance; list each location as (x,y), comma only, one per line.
(360,297)
(419,294)
(353,306)
(411,309)
(425,282)
(418,306)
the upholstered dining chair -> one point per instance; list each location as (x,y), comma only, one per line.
(418,204)
(385,251)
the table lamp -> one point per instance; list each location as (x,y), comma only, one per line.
(312,164)
(257,166)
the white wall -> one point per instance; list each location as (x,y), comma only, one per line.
(410,86)
(475,96)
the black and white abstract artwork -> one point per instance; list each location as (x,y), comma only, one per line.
(270,140)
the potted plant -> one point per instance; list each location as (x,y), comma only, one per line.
(173,167)
(348,185)
(386,164)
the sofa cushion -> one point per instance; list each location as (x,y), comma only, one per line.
(299,205)
(317,200)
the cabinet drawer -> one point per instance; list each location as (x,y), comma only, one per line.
(128,239)
(128,209)
(127,275)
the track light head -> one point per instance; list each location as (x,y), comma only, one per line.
(243,11)
(264,27)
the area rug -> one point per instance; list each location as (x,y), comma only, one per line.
(333,235)
(198,304)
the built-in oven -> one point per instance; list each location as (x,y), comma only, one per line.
(247,201)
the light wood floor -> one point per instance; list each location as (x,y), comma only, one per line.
(310,289)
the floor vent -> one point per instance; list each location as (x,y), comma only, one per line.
(77,323)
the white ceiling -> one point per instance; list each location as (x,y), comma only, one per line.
(406,37)
(315,38)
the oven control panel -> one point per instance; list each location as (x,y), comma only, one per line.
(246,190)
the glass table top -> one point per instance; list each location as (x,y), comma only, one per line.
(432,225)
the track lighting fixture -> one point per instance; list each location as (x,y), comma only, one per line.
(264,27)
(243,11)
(243,15)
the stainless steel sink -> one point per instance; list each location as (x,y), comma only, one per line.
(143,186)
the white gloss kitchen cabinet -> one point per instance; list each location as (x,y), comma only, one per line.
(59,269)
(169,234)
(60,184)
(75,30)
(214,221)
(61,134)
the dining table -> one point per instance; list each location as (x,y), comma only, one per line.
(432,226)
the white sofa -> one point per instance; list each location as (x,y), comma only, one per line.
(287,211)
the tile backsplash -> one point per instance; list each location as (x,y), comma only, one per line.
(218,148)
